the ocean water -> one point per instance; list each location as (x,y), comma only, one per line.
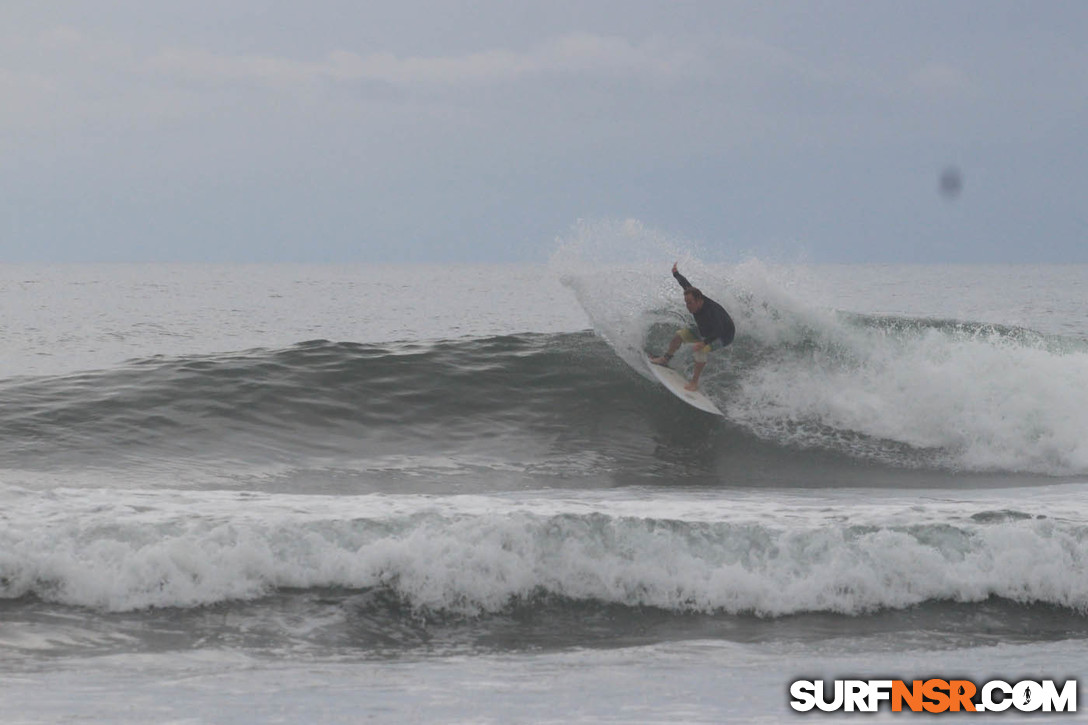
(234,494)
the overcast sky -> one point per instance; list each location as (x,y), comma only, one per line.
(384,131)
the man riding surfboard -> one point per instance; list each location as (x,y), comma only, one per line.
(713,330)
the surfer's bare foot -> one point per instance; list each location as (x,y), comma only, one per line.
(661,360)
(692,387)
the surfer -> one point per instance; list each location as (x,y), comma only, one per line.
(713,330)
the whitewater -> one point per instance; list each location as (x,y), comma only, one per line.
(304,493)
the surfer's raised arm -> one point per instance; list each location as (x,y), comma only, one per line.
(680,278)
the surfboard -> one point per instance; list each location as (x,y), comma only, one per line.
(675,382)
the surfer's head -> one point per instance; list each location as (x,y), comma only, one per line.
(693,298)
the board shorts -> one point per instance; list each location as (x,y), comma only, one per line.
(691,334)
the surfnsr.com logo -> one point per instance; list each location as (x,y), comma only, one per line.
(933,695)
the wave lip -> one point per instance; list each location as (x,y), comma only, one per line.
(481,555)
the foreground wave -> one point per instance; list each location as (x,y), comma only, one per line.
(474,555)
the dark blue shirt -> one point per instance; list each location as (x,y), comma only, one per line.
(713,321)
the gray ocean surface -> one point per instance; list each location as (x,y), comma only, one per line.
(304,493)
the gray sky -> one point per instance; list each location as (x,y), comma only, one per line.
(340,130)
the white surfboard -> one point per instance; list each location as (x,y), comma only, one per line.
(675,382)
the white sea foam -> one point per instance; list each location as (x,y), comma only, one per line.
(767,555)
(967,395)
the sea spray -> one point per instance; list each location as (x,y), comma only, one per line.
(901,390)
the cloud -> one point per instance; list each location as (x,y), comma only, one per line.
(200,65)
(578,53)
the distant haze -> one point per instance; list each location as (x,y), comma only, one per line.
(441,132)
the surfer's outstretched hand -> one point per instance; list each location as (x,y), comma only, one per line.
(674,266)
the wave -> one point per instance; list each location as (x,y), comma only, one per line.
(979,396)
(904,391)
(329,400)
(897,391)
(466,556)
(807,391)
